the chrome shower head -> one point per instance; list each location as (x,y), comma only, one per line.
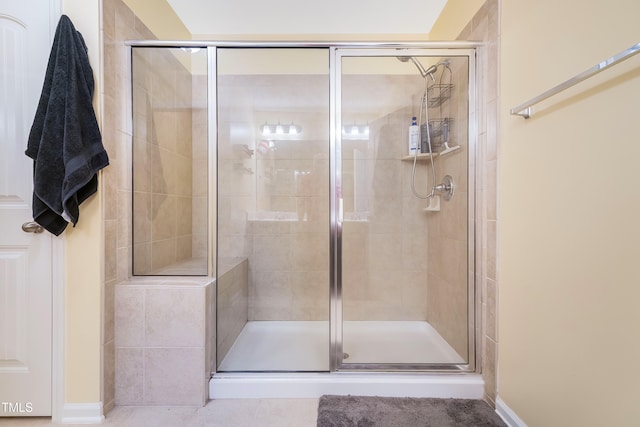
(424,73)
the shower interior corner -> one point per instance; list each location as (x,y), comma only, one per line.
(296,203)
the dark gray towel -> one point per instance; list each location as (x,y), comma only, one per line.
(65,141)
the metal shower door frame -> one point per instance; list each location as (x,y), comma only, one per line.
(337,50)
(336,319)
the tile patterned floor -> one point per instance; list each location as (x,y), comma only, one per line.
(223,413)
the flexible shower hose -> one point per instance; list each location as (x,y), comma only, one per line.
(424,107)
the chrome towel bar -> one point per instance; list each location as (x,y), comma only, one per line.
(526,109)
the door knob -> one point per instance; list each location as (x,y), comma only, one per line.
(32,227)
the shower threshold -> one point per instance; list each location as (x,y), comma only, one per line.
(313,385)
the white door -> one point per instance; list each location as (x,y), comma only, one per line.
(25,256)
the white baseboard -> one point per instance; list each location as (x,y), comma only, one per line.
(82,413)
(507,415)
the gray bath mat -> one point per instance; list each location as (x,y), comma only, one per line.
(355,411)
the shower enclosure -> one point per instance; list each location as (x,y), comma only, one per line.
(334,248)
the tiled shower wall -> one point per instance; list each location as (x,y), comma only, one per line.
(200,161)
(485,27)
(173,193)
(289,267)
(236,183)
(384,260)
(118,24)
(447,302)
(273,202)
(162,161)
(233,300)
(273,209)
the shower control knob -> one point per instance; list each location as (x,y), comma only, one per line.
(447,188)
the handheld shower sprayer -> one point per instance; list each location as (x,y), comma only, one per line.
(429,71)
(424,73)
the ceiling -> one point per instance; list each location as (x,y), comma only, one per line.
(242,17)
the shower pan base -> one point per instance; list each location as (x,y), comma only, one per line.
(302,346)
(296,346)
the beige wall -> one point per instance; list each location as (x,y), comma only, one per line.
(83,253)
(454,17)
(160,18)
(569,209)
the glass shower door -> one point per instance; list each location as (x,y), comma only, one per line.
(405,259)
(273,209)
